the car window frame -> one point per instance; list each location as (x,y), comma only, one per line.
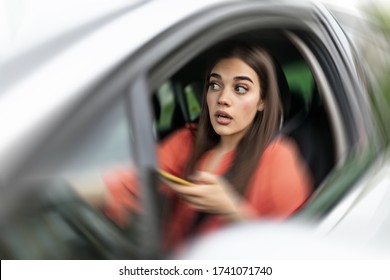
(310,24)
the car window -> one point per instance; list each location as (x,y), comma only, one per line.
(168,109)
(57,223)
(96,145)
(165,106)
(104,144)
(299,78)
(193,95)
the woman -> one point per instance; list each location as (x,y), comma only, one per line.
(241,168)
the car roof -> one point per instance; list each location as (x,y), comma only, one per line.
(28,25)
(35,33)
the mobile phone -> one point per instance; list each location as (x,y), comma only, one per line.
(174,178)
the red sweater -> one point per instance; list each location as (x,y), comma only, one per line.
(278,187)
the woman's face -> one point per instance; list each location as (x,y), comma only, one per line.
(233,97)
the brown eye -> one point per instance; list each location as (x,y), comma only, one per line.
(214,86)
(241,89)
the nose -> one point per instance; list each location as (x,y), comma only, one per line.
(223,98)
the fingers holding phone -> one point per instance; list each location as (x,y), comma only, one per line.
(210,193)
(173,179)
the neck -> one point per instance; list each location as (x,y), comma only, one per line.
(228,143)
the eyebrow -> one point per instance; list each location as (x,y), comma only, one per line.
(243,78)
(215,75)
(238,78)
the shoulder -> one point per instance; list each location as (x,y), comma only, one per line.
(181,138)
(282,155)
(282,161)
(281,147)
(176,147)
(186,133)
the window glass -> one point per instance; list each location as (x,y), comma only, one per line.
(167,108)
(166,104)
(299,78)
(193,101)
(57,224)
(103,143)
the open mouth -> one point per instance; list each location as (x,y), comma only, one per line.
(221,114)
(223,117)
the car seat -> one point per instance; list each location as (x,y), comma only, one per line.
(306,122)
(312,134)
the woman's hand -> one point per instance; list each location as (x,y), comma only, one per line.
(211,194)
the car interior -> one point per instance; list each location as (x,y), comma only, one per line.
(178,101)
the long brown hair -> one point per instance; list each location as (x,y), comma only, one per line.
(264,125)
